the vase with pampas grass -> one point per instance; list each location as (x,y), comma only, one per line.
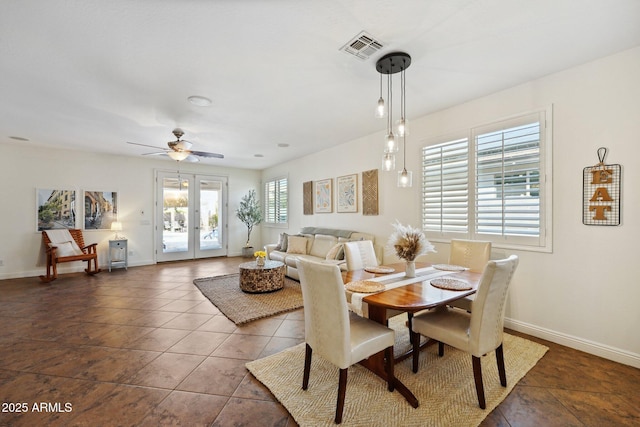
(408,244)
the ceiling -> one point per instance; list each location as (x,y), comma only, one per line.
(91,74)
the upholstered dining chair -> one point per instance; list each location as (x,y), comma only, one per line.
(473,254)
(360,254)
(337,335)
(478,332)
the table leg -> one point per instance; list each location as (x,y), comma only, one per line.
(376,364)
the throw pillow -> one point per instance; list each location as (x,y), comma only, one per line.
(66,248)
(297,245)
(279,244)
(334,251)
(285,242)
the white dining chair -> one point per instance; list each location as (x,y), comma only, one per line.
(337,335)
(473,254)
(478,332)
(360,254)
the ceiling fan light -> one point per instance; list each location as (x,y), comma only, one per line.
(178,155)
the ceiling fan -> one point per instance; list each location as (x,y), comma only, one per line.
(179,150)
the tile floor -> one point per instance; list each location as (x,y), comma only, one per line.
(143,347)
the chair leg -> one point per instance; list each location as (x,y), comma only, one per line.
(416,350)
(388,354)
(477,375)
(307,367)
(440,349)
(501,371)
(342,389)
(48,278)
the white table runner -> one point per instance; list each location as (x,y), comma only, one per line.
(390,282)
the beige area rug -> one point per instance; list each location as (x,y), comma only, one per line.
(444,385)
(240,307)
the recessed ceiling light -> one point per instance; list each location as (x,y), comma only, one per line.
(258,155)
(200,101)
(283,145)
(18,138)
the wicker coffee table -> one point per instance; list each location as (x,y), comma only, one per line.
(258,279)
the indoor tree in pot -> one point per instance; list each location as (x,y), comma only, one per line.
(250,214)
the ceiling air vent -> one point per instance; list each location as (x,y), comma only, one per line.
(362,46)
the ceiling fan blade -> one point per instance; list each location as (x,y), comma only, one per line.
(160,153)
(145,145)
(205,154)
(191,159)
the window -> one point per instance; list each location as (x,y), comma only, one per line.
(492,184)
(276,201)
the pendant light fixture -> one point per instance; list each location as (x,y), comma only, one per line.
(381,111)
(389,64)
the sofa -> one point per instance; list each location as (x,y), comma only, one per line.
(316,243)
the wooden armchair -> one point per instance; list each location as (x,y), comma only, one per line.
(55,256)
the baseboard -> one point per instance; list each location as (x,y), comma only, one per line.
(78,268)
(591,347)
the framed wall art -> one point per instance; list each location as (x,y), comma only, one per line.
(55,209)
(100,209)
(370,192)
(347,193)
(307,198)
(601,192)
(324,196)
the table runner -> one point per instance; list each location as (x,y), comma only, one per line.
(362,308)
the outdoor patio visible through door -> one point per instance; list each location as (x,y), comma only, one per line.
(191,216)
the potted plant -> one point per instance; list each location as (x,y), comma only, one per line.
(250,214)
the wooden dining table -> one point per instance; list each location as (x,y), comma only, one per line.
(410,298)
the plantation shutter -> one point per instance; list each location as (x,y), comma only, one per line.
(276,201)
(508,181)
(445,194)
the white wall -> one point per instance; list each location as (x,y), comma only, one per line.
(24,168)
(585,294)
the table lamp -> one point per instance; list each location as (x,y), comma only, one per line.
(116,226)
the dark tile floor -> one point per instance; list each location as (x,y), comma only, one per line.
(143,347)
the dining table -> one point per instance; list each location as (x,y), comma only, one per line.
(404,294)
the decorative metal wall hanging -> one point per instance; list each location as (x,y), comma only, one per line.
(601,193)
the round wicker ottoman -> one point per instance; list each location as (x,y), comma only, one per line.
(268,278)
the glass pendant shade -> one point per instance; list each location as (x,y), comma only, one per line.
(402,126)
(405,178)
(381,112)
(388,162)
(390,143)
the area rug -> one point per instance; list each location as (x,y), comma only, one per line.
(240,307)
(444,385)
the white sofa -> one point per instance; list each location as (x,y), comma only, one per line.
(320,244)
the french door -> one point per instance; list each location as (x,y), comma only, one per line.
(191,216)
